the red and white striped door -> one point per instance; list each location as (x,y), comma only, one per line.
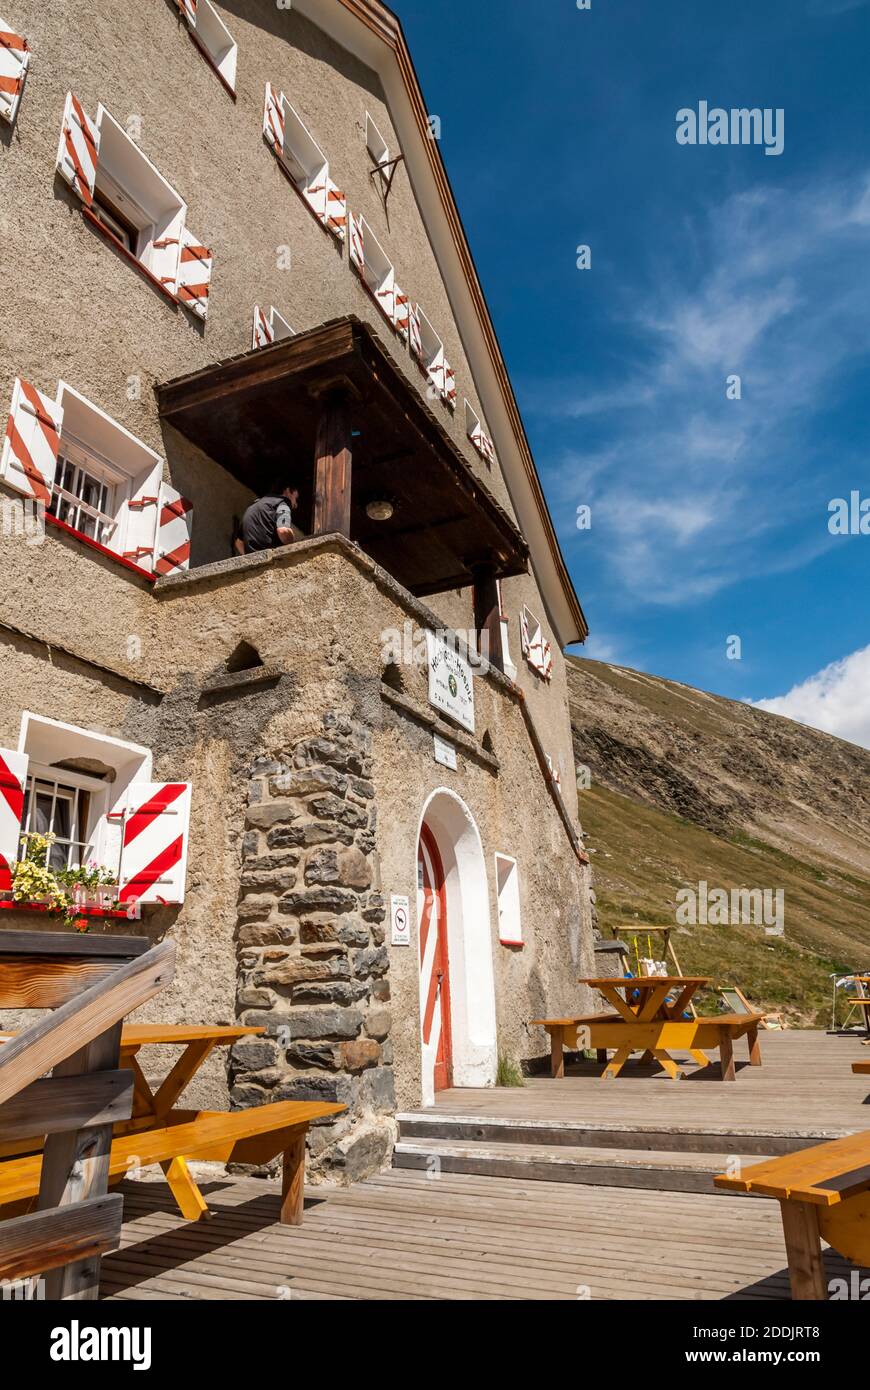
(434,965)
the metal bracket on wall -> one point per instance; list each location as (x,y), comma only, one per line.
(387,171)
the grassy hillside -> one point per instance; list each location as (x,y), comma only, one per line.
(687,787)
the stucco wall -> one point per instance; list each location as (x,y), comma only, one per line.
(329,663)
(83,314)
(79,312)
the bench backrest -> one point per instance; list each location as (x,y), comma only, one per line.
(90,983)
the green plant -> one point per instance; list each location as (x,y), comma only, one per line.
(34,880)
(508,1072)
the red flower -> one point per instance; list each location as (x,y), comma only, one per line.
(80,923)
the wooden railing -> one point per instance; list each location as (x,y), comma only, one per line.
(90,983)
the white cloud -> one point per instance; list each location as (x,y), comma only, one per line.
(836,699)
(692,492)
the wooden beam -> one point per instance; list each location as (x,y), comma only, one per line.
(38,1243)
(45,1044)
(59,1103)
(806,1270)
(333,466)
(487,615)
(75,1167)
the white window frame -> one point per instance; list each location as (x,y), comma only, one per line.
(507,888)
(90,435)
(217,42)
(60,778)
(474,423)
(378,149)
(302,155)
(378,271)
(140,192)
(49,741)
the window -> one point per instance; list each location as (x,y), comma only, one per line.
(83,495)
(61,806)
(213,38)
(507,879)
(94,794)
(373,267)
(536,648)
(428,348)
(95,478)
(270,328)
(478,435)
(130,202)
(304,162)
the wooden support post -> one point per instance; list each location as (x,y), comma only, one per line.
(293,1181)
(332,466)
(75,1167)
(487,615)
(601,1055)
(557,1056)
(726,1055)
(806,1270)
(754,1046)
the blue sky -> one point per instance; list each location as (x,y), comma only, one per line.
(709,515)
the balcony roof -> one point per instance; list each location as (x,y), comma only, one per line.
(257,415)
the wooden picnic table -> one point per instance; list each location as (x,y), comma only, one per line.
(652,1023)
(653,990)
(198,1041)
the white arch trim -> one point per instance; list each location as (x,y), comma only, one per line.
(469,941)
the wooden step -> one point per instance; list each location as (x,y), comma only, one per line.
(763,1141)
(667,1171)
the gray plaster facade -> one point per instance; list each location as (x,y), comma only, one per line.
(310,774)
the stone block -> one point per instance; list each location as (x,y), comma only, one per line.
(309,781)
(326,899)
(378,1023)
(324,1023)
(362,1053)
(379,1089)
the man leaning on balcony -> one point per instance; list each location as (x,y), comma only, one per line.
(268,522)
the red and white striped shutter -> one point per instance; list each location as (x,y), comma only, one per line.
(154,849)
(315,194)
(385,296)
(174,526)
(14,62)
(436,370)
(194,274)
(13,779)
(415,337)
(536,648)
(357,244)
(449,385)
(79,150)
(482,443)
(263,332)
(336,210)
(555,774)
(137,528)
(29,458)
(273,119)
(505,626)
(402,308)
(188,9)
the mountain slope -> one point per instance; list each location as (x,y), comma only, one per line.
(689,787)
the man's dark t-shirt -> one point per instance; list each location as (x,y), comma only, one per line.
(261,521)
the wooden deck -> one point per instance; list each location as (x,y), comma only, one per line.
(805,1085)
(417,1235)
(406,1236)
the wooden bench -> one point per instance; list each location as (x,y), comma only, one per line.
(862,1068)
(656,1039)
(240,1136)
(824,1194)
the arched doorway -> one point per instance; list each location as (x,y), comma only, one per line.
(437,1034)
(457,989)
